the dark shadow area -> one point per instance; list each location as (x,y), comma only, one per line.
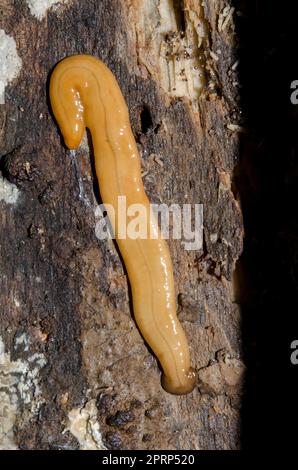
(95,185)
(179,14)
(146,120)
(267,182)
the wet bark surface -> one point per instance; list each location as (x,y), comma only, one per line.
(70,343)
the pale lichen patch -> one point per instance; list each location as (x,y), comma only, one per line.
(23,341)
(9,193)
(19,387)
(10,62)
(84,426)
(39,8)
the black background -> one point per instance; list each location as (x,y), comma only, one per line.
(267,179)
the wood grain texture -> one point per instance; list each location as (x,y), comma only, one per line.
(67,291)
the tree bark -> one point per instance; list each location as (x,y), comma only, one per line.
(75,372)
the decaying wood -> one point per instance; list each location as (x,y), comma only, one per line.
(74,369)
